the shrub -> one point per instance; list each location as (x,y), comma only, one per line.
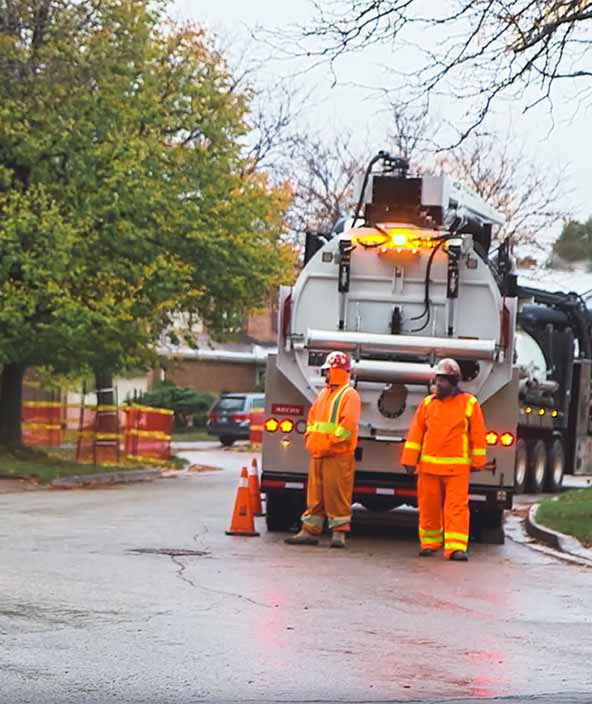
(190,407)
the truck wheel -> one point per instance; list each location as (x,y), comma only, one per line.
(226,440)
(556,466)
(488,527)
(281,513)
(537,466)
(521,465)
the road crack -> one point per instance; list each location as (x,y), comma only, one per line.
(210,590)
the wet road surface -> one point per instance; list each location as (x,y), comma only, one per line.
(100,601)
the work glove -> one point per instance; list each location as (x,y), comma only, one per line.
(409,468)
(475,469)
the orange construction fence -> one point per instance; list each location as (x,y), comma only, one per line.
(103,433)
(256,417)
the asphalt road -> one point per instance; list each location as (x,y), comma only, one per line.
(99,603)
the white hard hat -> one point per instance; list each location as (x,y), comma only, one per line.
(448,367)
(337,360)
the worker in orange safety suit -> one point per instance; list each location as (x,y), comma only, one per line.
(446,442)
(331,438)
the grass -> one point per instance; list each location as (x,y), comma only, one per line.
(47,464)
(571,513)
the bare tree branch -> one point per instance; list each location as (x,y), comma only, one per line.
(477,50)
(322,174)
(528,193)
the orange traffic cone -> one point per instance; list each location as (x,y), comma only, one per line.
(255,489)
(242,516)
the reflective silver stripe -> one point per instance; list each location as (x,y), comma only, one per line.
(461,547)
(336,403)
(339,521)
(316,521)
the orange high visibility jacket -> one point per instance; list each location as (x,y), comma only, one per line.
(332,425)
(447,436)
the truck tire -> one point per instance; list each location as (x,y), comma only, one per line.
(282,514)
(226,440)
(521,466)
(555,466)
(537,466)
(488,527)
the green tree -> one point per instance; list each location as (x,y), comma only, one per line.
(575,242)
(125,195)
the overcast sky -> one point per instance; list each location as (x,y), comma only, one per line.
(567,140)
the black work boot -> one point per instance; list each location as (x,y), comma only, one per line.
(459,556)
(302,538)
(427,552)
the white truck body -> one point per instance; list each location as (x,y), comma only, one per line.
(371,303)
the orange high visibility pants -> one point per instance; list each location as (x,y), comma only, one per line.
(329,494)
(443,511)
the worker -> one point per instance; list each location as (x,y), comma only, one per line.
(331,438)
(445,443)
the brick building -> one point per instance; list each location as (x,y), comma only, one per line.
(217,368)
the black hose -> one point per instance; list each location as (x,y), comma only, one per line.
(373,161)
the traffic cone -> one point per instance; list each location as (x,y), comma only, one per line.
(255,489)
(242,516)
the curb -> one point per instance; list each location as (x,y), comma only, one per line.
(558,541)
(123,477)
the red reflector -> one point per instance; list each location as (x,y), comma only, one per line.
(364,490)
(507,439)
(406,492)
(286,323)
(272,484)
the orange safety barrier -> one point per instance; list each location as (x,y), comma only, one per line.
(256,417)
(148,432)
(41,423)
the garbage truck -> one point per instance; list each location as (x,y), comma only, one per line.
(409,279)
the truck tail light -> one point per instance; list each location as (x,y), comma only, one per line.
(271,425)
(287,425)
(504,439)
(492,438)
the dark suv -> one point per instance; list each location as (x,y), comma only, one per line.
(229,416)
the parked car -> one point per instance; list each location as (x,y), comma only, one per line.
(228,418)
